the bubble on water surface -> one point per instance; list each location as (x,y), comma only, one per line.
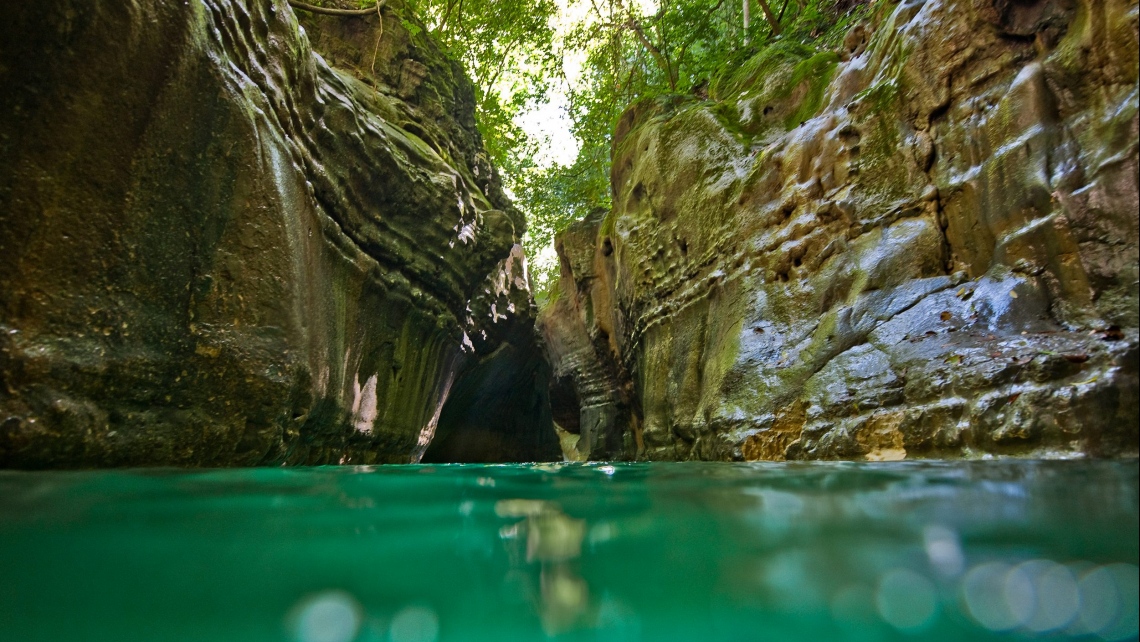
(1042,596)
(414,624)
(943,550)
(793,584)
(906,600)
(1019,594)
(602,532)
(986,590)
(853,605)
(1108,602)
(330,616)
(617,621)
(1099,601)
(1056,598)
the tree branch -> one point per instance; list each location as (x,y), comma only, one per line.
(688,44)
(337,12)
(772,20)
(502,65)
(784,8)
(663,62)
(447,16)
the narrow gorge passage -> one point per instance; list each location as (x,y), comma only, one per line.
(569,320)
(258,235)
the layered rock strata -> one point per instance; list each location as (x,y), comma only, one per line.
(922,245)
(217,249)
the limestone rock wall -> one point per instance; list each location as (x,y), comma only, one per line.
(922,245)
(217,249)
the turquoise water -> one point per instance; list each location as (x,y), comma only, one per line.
(824,551)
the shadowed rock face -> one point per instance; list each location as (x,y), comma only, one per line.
(922,245)
(216,249)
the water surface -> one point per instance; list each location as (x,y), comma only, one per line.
(821,551)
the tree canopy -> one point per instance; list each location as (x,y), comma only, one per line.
(633,49)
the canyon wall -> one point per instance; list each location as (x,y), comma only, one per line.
(218,249)
(924,244)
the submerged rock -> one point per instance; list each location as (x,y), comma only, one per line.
(217,249)
(923,245)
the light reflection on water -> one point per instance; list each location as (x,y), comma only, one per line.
(932,551)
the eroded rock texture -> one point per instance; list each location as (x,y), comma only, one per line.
(217,249)
(924,245)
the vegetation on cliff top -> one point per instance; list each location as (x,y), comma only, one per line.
(605,55)
(639,51)
(634,53)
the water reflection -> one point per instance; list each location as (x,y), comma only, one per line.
(553,542)
(937,552)
(808,553)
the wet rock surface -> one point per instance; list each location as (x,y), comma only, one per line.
(217,249)
(922,245)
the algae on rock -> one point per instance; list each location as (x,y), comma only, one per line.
(216,249)
(925,244)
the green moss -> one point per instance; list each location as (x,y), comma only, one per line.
(758,70)
(879,98)
(817,73)
(781,86)
(880,101)
(817,29)
(821,18)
